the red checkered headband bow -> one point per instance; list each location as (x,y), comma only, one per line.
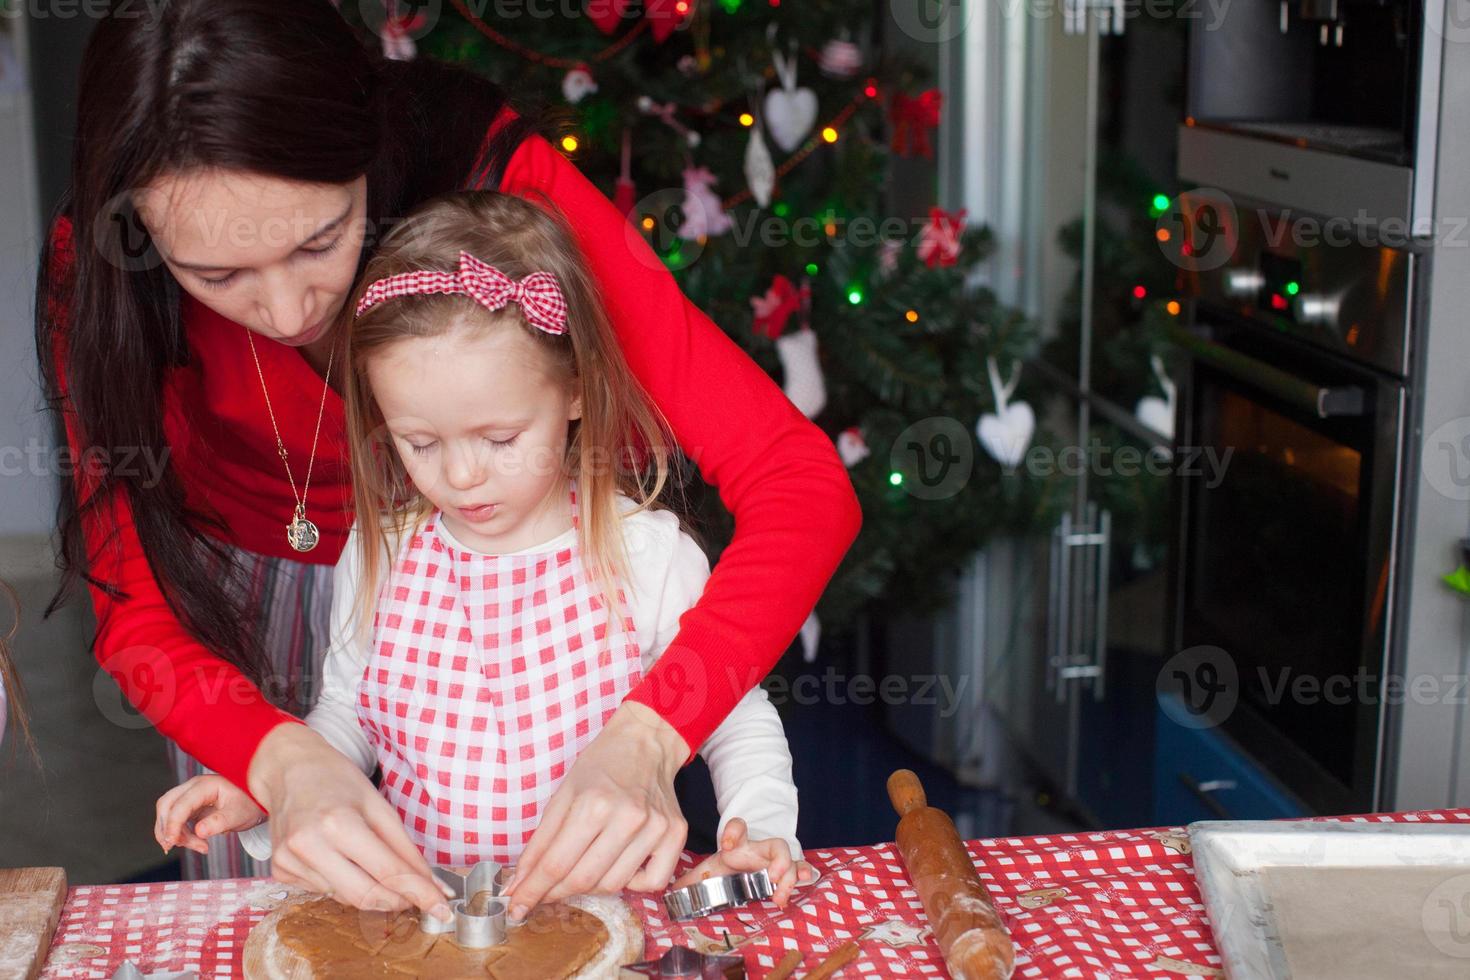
(538,295)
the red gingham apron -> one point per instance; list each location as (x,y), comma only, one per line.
(489,675)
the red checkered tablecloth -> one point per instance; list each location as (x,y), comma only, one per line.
(1102,905)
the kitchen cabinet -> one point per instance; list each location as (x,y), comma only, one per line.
(1200,774)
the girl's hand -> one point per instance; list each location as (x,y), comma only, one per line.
(203,807)
(614,810)
(738,853)
(332,832)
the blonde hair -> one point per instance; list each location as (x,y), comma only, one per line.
(621,443)
(10,676)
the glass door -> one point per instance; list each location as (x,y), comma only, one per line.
(1132,295)
(1059,81)
(1131,481)
(1026,613)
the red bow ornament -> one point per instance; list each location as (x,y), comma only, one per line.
(913,118)
(774,308)
(664,16)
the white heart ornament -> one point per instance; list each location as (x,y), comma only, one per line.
(1157,414)
(790,111)
(1006,436)
(790,115)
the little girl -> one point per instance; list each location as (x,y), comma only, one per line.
(509,578)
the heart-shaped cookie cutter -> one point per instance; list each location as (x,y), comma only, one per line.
(479,905)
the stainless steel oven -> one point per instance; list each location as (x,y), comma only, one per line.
(1326,105)
(1297,356)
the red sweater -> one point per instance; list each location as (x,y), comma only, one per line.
(794,507)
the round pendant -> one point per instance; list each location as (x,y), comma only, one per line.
(302,534)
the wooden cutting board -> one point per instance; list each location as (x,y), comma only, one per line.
(30,907)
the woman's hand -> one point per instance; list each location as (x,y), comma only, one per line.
(739,853)
(204,807)
(332,832)
(614,810)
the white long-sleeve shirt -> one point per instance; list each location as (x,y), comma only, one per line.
(748,756)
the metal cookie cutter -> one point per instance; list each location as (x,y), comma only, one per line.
(479,905)
(720,892)
(681,961)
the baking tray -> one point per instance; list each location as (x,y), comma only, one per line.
(1257,917)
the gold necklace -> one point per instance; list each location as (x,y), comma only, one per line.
(301,533)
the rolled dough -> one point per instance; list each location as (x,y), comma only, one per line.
(589,937)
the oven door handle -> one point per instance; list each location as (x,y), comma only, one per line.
(1345,400)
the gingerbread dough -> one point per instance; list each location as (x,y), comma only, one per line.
(584,938)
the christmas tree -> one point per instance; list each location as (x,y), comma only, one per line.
(751,141)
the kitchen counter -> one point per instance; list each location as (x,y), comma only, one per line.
(1109,904)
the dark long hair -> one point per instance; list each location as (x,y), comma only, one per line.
(285,90)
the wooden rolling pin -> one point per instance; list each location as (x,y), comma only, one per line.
(961,915)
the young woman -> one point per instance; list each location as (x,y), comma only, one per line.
(233,169)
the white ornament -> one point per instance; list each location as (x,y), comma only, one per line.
(840,58)
(852,447)
(1006,433)
(790,111)
(1155,412)
(804,384)
(811,635)
(760,172)
(398,42)
(577,84)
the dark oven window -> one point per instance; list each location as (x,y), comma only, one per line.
(1276,564)
(1284,556)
